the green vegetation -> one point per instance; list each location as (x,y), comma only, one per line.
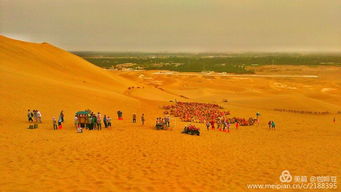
(186,62)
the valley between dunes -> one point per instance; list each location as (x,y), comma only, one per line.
(132,157)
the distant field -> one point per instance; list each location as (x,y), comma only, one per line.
(186,62)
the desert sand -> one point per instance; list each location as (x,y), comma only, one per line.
(132,157)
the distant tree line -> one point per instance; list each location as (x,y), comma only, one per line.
(186,62)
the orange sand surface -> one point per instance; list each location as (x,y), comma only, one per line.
(132,157)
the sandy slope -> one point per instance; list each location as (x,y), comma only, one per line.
(130,157)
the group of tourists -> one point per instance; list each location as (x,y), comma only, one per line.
(195,112)
(34,116)
(58,124)
(134,119)
(224,124)
(162,123)
(82,120)
(91,121)
(272,125)
(211,115)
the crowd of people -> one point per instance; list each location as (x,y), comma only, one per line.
(211,115)
(224,124)
(34,116)
(82,120)
(195,112)
(91,121)
(162,123)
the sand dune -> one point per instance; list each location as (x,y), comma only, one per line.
(131,157)
(41,75)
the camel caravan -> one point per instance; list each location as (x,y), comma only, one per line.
(303,112)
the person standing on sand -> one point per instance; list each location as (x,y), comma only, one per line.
(218,124)
(35,118)
(39,116)
(224,123)
(270,124)
(105,121)
(142,119)
(60,120)
(76,121)
(237,125)
(94,122)
(334,120)
(54,123)
(167,121)
(99,124)
(109,121)
(89,122)
(208,125)
(212,124)
(273,125)
(61,116)
(60,126)
(30,116)
(99,121)
(119,115)
(134,118)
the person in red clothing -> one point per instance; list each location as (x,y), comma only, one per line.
(237,125)
(212,124)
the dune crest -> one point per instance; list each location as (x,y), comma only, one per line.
(40,75)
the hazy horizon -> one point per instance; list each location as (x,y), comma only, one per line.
(188,26)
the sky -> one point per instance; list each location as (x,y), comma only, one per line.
(176,25)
